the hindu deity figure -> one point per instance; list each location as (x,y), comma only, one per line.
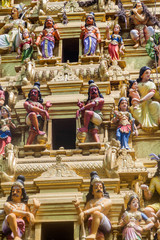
(26,46)
(5,125)
(11,39)
(96,209)
(140,17)
(147,112)
(91,111)
(47,38)
(116,45)
(16,209)
(124,120)
(133,93)
(90,35)
(132,218)
(35,112)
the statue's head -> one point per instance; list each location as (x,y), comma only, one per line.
(18,193)
(17,11)
(5,111)
(116,29)
(90,19)
(35,94)
(133,203)
(123,104)
(97,188)
(49,23)
(144,74)
(93,90)
(26,33)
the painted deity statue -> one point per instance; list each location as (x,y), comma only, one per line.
(116,45)
(16,209)
(124,120)
(133,93)
(26,47)
(147,112)
(91,111)
(35,112)
(47,38)
(96,209)
(5,125)
(131,220)
(140,17)
(90,35)
(11,39)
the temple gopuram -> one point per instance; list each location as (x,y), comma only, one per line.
(79,120)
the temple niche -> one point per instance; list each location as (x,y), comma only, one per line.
(79,99)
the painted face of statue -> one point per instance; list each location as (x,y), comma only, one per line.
(135,86)
(16,194)
(89,20)
(4,113)
(116,29)
(134,204)
(146,75)
(139,7)
(49,23)
(34,95)
(93,92)
(97,189)
(25,34)
(14,13)
(123,105)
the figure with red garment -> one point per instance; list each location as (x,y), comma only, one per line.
(90,35)
(116,45)
(16,209)
(6,124)
(35,112)
(47,38)
(91,111)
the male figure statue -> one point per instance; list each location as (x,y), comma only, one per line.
(16,210)
(97,207)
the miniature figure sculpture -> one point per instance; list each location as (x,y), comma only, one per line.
(141,17)
(47,37)
(153,209)
(35,112)
(133,93)
(16,210)
(116,45)
(97,207)
(153,48)
(26,46)
(131,220)
(90,35)
(2,97)
(11,40)
(124,120)
(92,111)
(147,112)
(5,133)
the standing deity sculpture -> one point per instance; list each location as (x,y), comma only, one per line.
(141,19)
(96,209)
(91,111)
(16,209)
(125,123)
(90,35)
(35,112)
(47,37)
(116,46)
(9,33)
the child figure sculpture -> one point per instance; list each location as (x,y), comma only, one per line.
(90,35)
(116,45)
(133,93)
(124,120)
(48,35)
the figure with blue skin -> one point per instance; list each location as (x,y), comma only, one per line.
(48,35)
(90,35)
(124,120)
